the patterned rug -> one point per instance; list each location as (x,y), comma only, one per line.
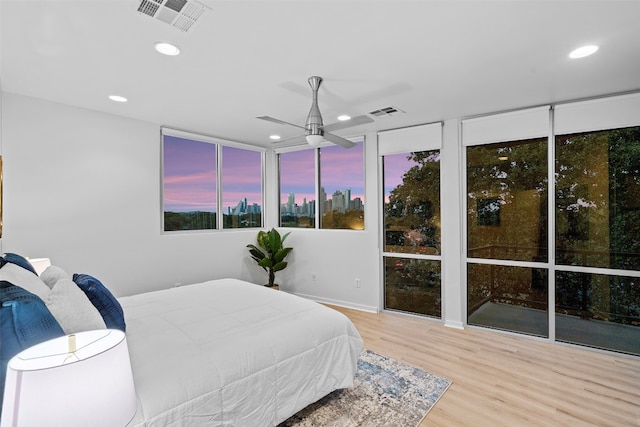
(386,392)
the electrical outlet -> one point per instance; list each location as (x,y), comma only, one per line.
(314,277)
(357,282)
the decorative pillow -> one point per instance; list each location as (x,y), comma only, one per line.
(72,309)
(103,300)
(21,277)
(24,322)
(52,274)
(19,260)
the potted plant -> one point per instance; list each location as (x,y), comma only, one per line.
(270,252)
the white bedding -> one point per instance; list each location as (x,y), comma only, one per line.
(231,353)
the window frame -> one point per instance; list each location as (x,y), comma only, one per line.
(424,137)
(358,139)
(219,143)
(595,115)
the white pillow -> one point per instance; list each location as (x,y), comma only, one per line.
(52,274)
(25,279)
(72,308)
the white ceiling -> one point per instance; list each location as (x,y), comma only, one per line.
(436,60)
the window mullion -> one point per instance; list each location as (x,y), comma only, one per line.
(551,233)
(220,215)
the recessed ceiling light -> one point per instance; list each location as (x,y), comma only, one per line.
(583,51)
(274,137)
(344,117)
(117,98)
(167,49)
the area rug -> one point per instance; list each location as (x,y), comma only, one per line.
(386,392)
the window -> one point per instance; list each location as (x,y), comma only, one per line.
(297,189)
(342,187)
(507,200)
(339,199)
(598,199)
(412,202)
(411,227)
(189,184)
(598,227)
(241,187)
(191,190)
(507,221)
(579,248)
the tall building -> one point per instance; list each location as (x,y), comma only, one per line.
(338,202)
(291,203)
(356,204)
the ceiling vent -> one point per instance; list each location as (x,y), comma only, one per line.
(386,112)
(180,14)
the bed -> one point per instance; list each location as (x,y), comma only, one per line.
(219,353)
(231,353)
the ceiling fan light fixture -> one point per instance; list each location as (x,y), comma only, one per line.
(314,140)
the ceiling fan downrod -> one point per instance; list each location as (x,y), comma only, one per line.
(313,125)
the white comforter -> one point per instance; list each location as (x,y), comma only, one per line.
(231,353)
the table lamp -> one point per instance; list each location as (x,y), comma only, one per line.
(83,379)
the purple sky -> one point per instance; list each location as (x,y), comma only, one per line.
(190,176)
(340,169)
(241,176)
(395,166)
(297,175)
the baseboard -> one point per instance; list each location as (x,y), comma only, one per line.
(339,303)
(454,324)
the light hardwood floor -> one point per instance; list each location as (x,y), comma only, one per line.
(502,380)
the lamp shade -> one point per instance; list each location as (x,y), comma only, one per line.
(314,140)
(77,380)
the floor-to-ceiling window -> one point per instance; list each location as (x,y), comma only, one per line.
(597,204)
(411,210)
(507,220)
(574,170)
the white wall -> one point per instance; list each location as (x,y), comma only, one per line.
(83,188)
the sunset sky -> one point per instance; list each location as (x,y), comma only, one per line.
(190,175)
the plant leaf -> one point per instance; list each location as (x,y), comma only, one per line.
(282,253)
(280,266)
(265,262)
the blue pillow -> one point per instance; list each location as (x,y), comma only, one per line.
(18,260)
(25,321)
(103,300)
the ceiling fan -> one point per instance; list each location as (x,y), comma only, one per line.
(315,131)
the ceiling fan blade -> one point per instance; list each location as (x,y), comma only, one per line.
(354,121)
(338,140)
(278,121)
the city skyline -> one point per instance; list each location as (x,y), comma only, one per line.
(340,201)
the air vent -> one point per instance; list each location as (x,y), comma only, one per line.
(180,14)
(386,111)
